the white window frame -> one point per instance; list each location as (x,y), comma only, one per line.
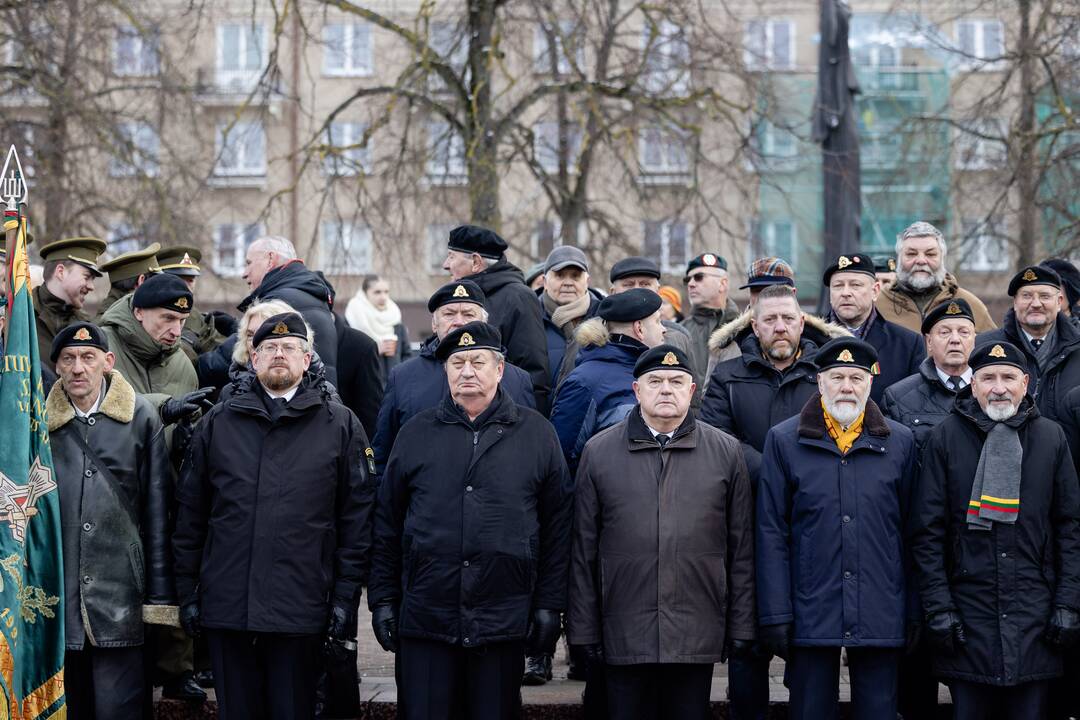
(546,146)
(241,79)
(438,235)
(352,35)
(765,58)
(247,234)
(239,137)
(979,58)
(976,153)
(141,140)
(767,240)
(146,52)
(667,263)
(565,30)
(450,169)
(984,247)
(347,159)
(345,248)
(666,68)
(673,143)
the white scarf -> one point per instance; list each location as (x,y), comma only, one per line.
(370,320)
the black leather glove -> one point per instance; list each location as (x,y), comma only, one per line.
(384,623)
(186,405)
(342,624)
(593,654)
(912,636)
(191,618)
(224,323)
(543,632)
(945,631)
(777,638)
(1064,627)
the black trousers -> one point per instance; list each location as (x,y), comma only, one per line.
(1063,702)
(264,675)
(104,683)
(918,686)
(439,681)
(976,701)
(659,691)
(813,677)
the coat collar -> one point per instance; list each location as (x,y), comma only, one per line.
(246,398)
(740,327)
(639,438)
(754,360)
(812,420)
(119,402)
(502,410)
(967,407)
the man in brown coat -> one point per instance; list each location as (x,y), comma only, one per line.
(662,563)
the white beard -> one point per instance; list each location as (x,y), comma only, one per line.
(921,282)
(1000,414)
(845,413)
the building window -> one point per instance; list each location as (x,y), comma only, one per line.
(241,56)
(668,243)
(546,145)
(985,247)
(980,43)
(123,238)
(451,47)
(438,235)
(347,157)
(663,154)
(547,235)
(136,151)
(135,53)
(773,147)
(347,50)
(667,59)
(445,155)
(231,241)
(241,150)
(980,144)
(345,248)
(769,44)
(775,238)
(553,46)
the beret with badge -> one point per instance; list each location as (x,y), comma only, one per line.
(1034,275)
(997,353)
(474,239)
(855,263)
(163,291)
(958,309)
(630,306)
(662,357)
(884,263)
(634,267)
(847,352)
(79,334)
(282,325)
(706,260)
(462,291)
(471,336)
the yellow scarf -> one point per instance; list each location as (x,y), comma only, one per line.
(844,438)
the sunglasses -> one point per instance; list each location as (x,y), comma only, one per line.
(698,277)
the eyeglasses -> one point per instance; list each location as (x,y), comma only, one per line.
(272,349)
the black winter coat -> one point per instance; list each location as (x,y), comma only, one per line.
(115,531)
(1005,582)
(360,374)
(309,294)
(420,383)
(919,402)
(515,311)
(900,352)
(1061,374)
(747,396)
(275,512)
(472,526)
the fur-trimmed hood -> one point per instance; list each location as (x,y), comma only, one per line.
(119,402)
(729,332)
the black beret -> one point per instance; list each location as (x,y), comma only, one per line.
(858,262)
(1070,277)
(471,336)
(662,357)
(706,260)
(1034,275)
(164,291)
(997,353)
(847,352)
(81,334)
(462,291)
(634,267)
(952,310)
(282,325)
(473,239)
(629,306)
(884,263)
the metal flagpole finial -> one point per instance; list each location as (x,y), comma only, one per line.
(13,188)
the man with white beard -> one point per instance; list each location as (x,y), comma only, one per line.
(832,506)
(923,283)
(996,544)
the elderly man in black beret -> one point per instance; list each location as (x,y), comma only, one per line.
(996,543)
(113,474)
(706,281)
(472,534)
(273,532)
(662,579)
(479,254)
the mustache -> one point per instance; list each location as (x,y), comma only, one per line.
(994,397)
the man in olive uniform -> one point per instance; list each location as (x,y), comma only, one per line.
(200,333)
(70,271)
(126,272)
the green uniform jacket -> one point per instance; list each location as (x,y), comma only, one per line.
(53,315)
(114,295)
(199,336)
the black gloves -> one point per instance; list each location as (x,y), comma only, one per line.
(945,631)
(777,638)
(224,323)
(342,624)
(543,632)
(186,405)
(1064,628)
(384,623)
(191,618)
(733,647)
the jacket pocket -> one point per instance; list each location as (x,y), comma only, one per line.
(703,584)
(138,568)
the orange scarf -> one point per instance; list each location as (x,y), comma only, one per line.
(843,437)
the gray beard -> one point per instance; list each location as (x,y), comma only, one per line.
(844,414)
(921,283)
(1000,414)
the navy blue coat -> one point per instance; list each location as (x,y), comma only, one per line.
(830,544)
(420,383)
(596,394)
(557,342)
(900,352)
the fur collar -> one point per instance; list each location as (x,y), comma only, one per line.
(119,402)
(812,420)
(729,332)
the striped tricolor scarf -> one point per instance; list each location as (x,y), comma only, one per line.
(995,493)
